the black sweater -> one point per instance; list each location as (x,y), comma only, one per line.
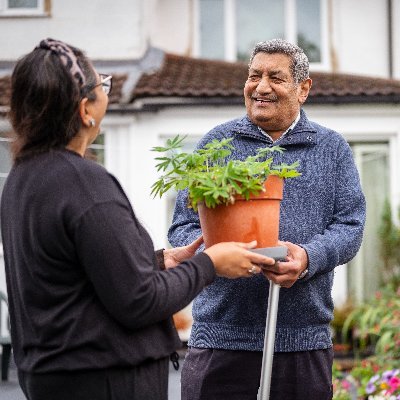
(84,288)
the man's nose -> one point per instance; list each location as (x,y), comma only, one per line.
(264,86)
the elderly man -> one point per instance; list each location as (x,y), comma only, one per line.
(321,222)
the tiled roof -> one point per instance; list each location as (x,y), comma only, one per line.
(189,77)
(5,90)
(207,81)
(118,81)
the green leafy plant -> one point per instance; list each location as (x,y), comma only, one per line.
(211,177)
(340,314)
(389,235)
(377,322)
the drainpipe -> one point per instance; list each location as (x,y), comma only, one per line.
(332,50)
(390,37)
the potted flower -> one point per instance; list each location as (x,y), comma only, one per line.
(237,200)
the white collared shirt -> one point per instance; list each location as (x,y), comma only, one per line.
(284,133)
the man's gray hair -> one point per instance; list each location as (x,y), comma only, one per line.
(299,65)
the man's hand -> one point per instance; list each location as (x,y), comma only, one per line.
(286,273)
(173,257)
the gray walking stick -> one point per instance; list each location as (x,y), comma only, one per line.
(278,253)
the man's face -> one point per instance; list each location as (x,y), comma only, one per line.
(272,98)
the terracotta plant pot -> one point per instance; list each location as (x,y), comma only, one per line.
(245,220)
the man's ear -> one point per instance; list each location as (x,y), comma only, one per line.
(84,112)
(304,90)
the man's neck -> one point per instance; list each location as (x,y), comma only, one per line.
(276,135)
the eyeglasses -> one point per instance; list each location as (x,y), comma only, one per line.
(106,83)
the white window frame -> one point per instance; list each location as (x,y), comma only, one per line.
(359,149)
(22,12)
(290,30)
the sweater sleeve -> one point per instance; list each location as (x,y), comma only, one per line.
(118,258)
(185,226)
(341,239)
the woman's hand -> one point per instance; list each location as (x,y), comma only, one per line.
(234,260)
(173,257)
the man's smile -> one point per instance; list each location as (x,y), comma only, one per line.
(264,100)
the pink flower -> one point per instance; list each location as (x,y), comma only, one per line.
(346,385)
(394,384)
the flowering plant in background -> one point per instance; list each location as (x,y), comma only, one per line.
(371,379)
(342,389)
(377,322)
(344,385)
(384,386)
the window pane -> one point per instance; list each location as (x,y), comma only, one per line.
(5,154)
(212,29)
(5,157)
(309,28)
(256,21)
(364,273)
(22,3)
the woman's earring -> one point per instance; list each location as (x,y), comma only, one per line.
(92,122)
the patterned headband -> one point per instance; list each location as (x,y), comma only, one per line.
(67,57)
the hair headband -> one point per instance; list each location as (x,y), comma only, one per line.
(67,57)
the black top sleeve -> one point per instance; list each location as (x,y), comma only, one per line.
(122,267)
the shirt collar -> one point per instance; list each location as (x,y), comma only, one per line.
(284,133)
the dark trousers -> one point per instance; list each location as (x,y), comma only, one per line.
(210,374)
(148,381)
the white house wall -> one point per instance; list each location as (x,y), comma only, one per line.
(104,29)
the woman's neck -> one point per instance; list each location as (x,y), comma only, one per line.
(79,143)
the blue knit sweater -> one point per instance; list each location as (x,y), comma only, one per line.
(323,211)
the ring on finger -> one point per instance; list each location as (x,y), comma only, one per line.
(253,270)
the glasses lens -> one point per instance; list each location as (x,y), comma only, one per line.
(106,83)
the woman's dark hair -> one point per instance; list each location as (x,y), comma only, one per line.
(45,99)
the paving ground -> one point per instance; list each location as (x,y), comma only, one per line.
(10,390)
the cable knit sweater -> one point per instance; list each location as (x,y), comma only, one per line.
(323,211)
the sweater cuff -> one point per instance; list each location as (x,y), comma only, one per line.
(160,258)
